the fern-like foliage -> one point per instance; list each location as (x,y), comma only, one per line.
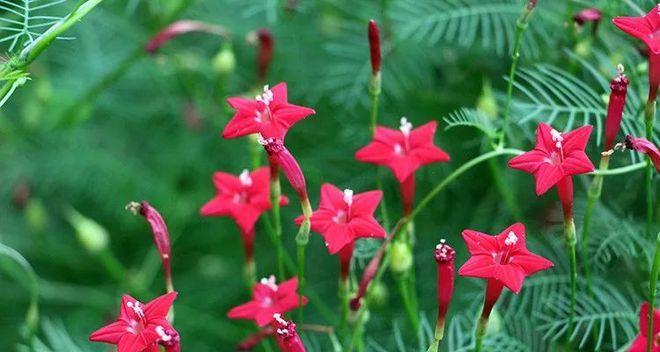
(488,23)
(604,320)
(464,117)
(56,339)
(22,21)
(550,94)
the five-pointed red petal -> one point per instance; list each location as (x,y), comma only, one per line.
(504,257)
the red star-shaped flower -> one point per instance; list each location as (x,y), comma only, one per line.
(555,156)
(268,298)
(140,328)
(639,345)
(404,150)
(343,217)
(269,114)
(504,257)
(644,28)
(244,197)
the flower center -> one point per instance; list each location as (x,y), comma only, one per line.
(264,114)
(504,255)
(405,128)
(136,326)
(557,157)
(340,217)
(270,282)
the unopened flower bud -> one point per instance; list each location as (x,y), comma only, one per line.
(161,236)
(178,28)
(286,335)
(374,47)
(91,235)
(281,156)
(444,256)
(36,215)
(224,62)
(617,102)
(401,257)
(642,145)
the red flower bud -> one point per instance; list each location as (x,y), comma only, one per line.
(444,256)
(367,276)
(619,87)
(161,235)
(178,28)
(286,336)
(588,15)
(265,55)
(374,46)
(278,154)
(644,146)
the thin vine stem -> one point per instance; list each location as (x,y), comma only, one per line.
(649,116)
(653,281)
(521,25)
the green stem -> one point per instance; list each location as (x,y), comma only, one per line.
(480,333)
(620,170)
(593,195)
(32,51)
(402,281)
(521,25)
(451,177)
(275,197)
(302,238)
(374,93)
(344,296)
(649,116)
(569,231)
(653,281)
(506,192)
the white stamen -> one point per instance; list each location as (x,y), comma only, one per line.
(278,318)
(266,97)
(161,333)
(270,282)
(135,306)
(245,178)
(261,140)
(511,239)
(406,126)
(620,69)
(556,137)
(348,196)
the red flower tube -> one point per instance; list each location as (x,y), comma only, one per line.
(444,256)
(640,343)
(286,336)
(161,236)
(367,276)
(644,146)
(374,47)
(280,155)
(619,89)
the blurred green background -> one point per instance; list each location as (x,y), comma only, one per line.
(102,123)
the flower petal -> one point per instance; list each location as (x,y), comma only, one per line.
(547,175)
(511,275)
(481,266)
(376,152)
(531,263)
(480,243)
(247,311)
(218,206)
(529,162)
(160,306)
(577,162)
(131,343)
(331,197)
(336,237)
(366,203)
(366,227)
(110,333)
(576,139)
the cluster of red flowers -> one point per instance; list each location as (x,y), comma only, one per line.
(344,216)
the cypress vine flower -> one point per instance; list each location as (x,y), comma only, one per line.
(279,155)
(619,89)
(503,258)
(161,236)
(403,151)
(556,157)
(343,217)
(645,28)
(269,114)
(141,327)
(243,198)
(644,146)
(444,256)
(640,343)
(268,298)
(286,336)
(178,28)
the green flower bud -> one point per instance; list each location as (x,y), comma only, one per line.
(379,294)
(224,61)
(487,102)
(401,257)
(91,235)
(36,215)
(494,323)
